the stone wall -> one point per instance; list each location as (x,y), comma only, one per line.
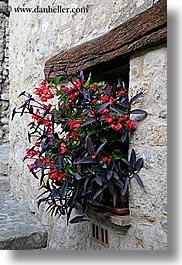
(36,37)
(148,73)
(4,72)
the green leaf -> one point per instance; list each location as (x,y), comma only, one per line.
(119,85)
(88,82)
(103,138)
(57,80)
(117,154)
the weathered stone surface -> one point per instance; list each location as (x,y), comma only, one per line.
(4,157)
(4,67)
(19,229)
(4,183)
(150,142)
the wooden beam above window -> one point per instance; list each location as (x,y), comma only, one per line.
(146,29)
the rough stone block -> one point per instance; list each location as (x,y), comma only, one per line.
(5,96)
(5,121)
(19,229)
(156,135)
(4,157)
(4,183)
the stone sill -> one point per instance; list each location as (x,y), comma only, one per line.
(107,216)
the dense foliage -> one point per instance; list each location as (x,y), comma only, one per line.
(80,153)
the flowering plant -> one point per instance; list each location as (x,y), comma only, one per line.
(80,152)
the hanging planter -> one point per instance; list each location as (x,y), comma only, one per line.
(80,155)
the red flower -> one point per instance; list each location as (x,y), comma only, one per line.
(75,135)
(78,84)
(73,95)
(112,100)
(104,98)
(92,113)
(105,111)
(46,161)
(107,88)
(123,118)
(63,148)
(49,131)
(74,124)
(94,87)
(44,82)
(68,138)
(47,107)
(37,144)
(36,116)
(64,89)
(116,127)
(31,153)
(30,166)
(109,118)
(93,155)
(121,92)
(106,159)
(94,100)
(46,122)
(55,175)
(131,124)
(43,92)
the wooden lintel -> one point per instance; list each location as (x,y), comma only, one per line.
(146,29)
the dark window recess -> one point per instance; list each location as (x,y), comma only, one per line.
(116,69)
(110,72)
(100,234)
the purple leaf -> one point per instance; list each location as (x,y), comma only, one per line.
(109,174)
(98,180)
(138,179)
(100,148)
(88,121)
(133,156)
(86,111)
(139,164)
(85,160)
(138,111)
(67,93)
(102,107)
(86,94)
(136,97)
(125,186)
(90,146)
(118,111)
(78,219)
